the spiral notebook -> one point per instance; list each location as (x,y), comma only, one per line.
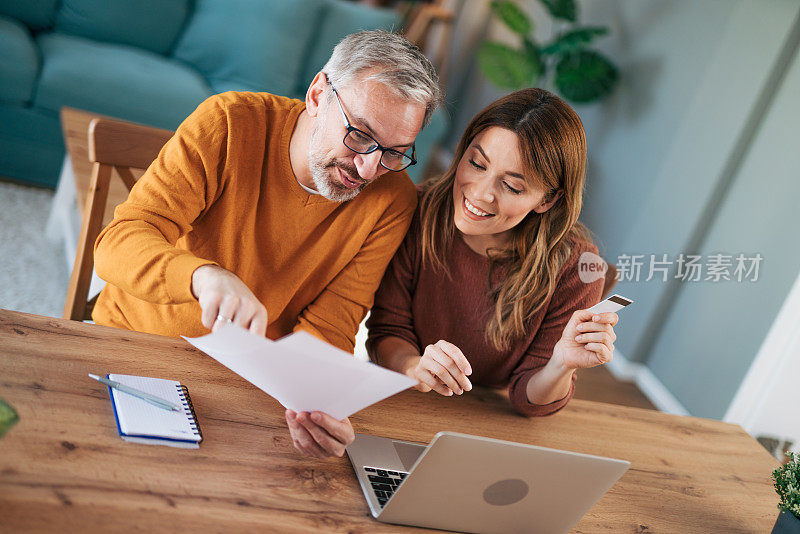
(141,422)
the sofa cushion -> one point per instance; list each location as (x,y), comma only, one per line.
(250,45)
(149,24)
(116,80)
(36,14)
(339,20)
(31,146)
(19,62)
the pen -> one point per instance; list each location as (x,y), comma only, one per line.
(152,399)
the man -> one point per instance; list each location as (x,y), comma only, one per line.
(269,213)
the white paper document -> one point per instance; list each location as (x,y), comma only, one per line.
(302,372)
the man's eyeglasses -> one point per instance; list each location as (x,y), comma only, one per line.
(363,143)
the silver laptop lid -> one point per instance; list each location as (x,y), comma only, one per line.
(477,484)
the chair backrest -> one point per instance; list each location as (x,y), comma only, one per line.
(113,146)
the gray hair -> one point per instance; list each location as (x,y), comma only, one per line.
(403,67)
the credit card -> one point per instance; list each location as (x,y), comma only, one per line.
(613,303)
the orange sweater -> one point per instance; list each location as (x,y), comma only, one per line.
(222,191)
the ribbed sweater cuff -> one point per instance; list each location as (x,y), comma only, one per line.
(178,276)
(519,400)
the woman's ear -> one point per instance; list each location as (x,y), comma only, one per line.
(315,92)
(547,204)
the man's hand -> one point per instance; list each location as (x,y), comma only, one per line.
(318,434)
(442,368)
(224,298)
(587,340)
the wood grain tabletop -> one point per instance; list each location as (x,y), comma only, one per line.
(63,466)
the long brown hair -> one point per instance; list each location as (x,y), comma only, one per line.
(553,143)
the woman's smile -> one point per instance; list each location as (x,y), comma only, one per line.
(474,212)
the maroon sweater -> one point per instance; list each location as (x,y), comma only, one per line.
(422,306)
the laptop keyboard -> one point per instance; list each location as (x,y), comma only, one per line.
(384,482)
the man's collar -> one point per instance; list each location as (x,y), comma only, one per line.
(307,189)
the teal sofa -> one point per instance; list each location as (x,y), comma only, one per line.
(154,61)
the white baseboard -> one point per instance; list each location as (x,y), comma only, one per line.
(64,222)
(652,388)
(622,368)
(360,350)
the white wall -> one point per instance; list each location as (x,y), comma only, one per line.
(766,402)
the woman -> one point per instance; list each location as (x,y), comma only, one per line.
(485,287)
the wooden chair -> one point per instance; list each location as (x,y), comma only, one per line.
(421,19)
(113,146)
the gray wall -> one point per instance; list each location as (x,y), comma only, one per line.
(714,330)
(696,152)
(696,350)
(662,49)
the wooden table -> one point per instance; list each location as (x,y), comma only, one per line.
(63,467)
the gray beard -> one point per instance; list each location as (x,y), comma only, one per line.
(325,184)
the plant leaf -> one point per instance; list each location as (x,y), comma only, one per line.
(585,75)
(787,485)
(512,16)
(534,55)
(7,417)
(562,9)
(506,67)
(572,40)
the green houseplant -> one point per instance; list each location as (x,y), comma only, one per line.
(787,484)
(566,62)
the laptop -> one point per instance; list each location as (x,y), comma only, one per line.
(475,484)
